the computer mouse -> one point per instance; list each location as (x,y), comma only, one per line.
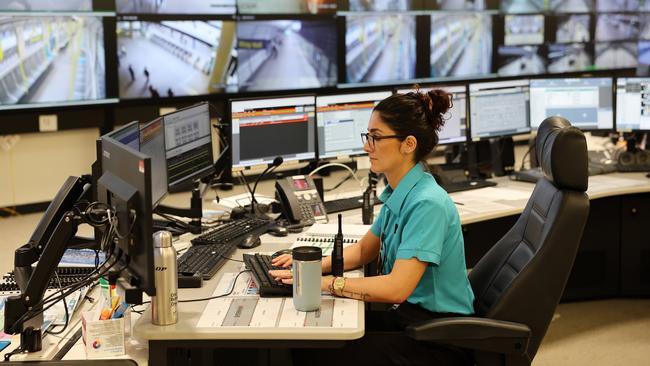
(281,252)
(250,241)
(277,230)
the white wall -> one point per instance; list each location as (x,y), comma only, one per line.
(34,169)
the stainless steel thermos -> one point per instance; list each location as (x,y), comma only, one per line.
(307,272)
(163,305)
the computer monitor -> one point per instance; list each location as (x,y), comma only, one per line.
(455,127)
(341,119)
(524,29)
(499,108)
(633,104)
(585,102)
(263,129)
(125,186)
(188,145)
(152,143)
(176,7)
(128,135)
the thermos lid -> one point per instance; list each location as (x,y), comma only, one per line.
(307,253)
(162,239)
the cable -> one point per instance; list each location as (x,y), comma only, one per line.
(339,165)
(65,307)
(232,288)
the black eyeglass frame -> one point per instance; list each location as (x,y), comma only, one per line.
(370,139)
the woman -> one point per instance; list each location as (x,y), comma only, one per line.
(417,237)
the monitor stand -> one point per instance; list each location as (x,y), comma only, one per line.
(195,212)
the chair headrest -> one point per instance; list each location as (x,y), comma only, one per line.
(562,154)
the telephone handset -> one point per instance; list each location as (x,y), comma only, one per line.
(300,200)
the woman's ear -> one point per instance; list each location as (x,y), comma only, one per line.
(409,144)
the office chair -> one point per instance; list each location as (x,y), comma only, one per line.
(519,281)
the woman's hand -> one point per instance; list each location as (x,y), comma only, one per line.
(283,260)
(282,275)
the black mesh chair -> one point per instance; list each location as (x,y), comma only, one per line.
(519,281)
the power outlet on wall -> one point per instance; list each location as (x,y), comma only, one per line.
(48,122)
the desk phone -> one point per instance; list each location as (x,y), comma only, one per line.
(300,200)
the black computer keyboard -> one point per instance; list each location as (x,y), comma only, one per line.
(205,259)
(67,276)
(343,204)
(466,185)
(232,231)
(260,265)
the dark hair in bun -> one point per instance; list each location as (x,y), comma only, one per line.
(418,114)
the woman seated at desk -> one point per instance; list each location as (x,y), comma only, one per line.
(417,237)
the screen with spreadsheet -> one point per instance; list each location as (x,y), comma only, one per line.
(585,102)
(455,127)
(633,104)
(341,119)
(263,129)
(499,108)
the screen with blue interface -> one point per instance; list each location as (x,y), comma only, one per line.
(455,128)
(499,108)
(341,119)
(585,102)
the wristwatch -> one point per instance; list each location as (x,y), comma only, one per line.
(339,284)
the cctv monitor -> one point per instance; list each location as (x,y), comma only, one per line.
(633,104)
(265,128)
(341,119)
(455,128)
(188,145)
(499,108)
(176,7)
(585,102)
(286,6)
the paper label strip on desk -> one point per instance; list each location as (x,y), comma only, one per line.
(322,235)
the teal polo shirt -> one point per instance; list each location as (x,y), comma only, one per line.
(419,220)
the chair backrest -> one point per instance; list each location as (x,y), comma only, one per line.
(522,277)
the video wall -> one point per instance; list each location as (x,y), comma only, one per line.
(105,51)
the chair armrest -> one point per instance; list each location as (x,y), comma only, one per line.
(474,333)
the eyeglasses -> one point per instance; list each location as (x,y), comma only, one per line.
(370,139)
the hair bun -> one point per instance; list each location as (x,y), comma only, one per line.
(439,102)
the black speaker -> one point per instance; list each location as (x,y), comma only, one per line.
(638,161)
(479,159)
(503,155)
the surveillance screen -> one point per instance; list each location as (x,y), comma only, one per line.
(572,28)
(46,5)
(461,44)
(616,55)
(645,26)
(572,6)
(524,30)
(380,48)
(586,102)
(381,5)
(175,6)
(286,6)
(633,104)
(175,58)
(617,27)
(570,57)
(49,60)
(520,60)
(523,6)
(286,54)
(644,53)
(460,4)
(617,5)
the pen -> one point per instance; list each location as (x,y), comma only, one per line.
(459,203)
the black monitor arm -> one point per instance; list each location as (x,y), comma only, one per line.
(195,212)
(33,281)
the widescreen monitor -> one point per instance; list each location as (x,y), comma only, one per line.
(570,57)
(521,60)
(380,48)
(633,104)
(499,108)
(616,55)
(341,119)
(381,5)
(128,135)
(455,128)
(175,6)
(572,28)
(585,102)
(571,6)
(170,58)
(469,5)
(461,44)
(523,6)
(287,6)
(188,144)
(52,60)
(617,27)
(286,54)
(263,129)
(46,5)
(618,5)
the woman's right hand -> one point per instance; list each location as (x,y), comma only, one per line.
(283,260)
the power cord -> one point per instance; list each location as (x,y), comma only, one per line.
(232,288)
